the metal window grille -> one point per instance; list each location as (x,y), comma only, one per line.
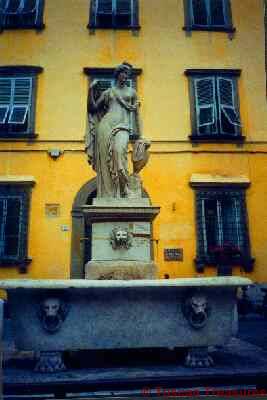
(10,226)
(221,222)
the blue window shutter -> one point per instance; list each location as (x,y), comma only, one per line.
(123,13)
(199,9)
(30,6)
(217,13)
(124,6)
(104,7)
(21,7)
(104,83)
(104,13)
(5,98)
(22,96)
(12,6)
(205,101)
(229,114)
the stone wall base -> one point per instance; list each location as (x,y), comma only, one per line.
(122,270)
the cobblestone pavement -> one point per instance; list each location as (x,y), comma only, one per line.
(253,329)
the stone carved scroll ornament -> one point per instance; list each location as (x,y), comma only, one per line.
(52,313)
(196,309)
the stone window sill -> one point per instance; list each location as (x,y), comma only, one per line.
(21,264)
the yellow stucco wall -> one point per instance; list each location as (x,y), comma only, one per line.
(164,52)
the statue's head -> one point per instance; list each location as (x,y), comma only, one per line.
(125,68)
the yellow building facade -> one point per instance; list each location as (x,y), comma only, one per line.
(55,164)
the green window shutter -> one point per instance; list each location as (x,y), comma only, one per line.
(217,13)
(229,114)
(205,104)
(199,9)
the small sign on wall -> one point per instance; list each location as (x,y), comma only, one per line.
(52,210)
(173,255)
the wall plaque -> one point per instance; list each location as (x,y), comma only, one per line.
(173,254)
(52,210)
(142,229)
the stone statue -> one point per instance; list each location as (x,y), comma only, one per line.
(113,115)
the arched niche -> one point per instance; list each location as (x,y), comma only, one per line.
(80,239)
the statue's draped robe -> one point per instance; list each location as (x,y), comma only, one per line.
(108,143)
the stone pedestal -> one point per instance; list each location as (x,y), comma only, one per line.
(122,246)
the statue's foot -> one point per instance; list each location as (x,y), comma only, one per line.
(50,362)
(198,358)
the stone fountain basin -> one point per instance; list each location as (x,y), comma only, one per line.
(118,314)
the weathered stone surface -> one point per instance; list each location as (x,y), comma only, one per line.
(121,202)
(116,212)
(139,249)
(124,270)
(119,314)
(216,281)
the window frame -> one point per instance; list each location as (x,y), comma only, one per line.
(213,191)
(22,191)
(38,25)
(108,74)
(134,26)
(195,75)
(191,26)
(17,72)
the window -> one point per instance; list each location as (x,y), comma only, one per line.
(222,221)
(21,14)
(116,14)
(213,15)
(106,79)
(17,101)
(14,211)
(214,105)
